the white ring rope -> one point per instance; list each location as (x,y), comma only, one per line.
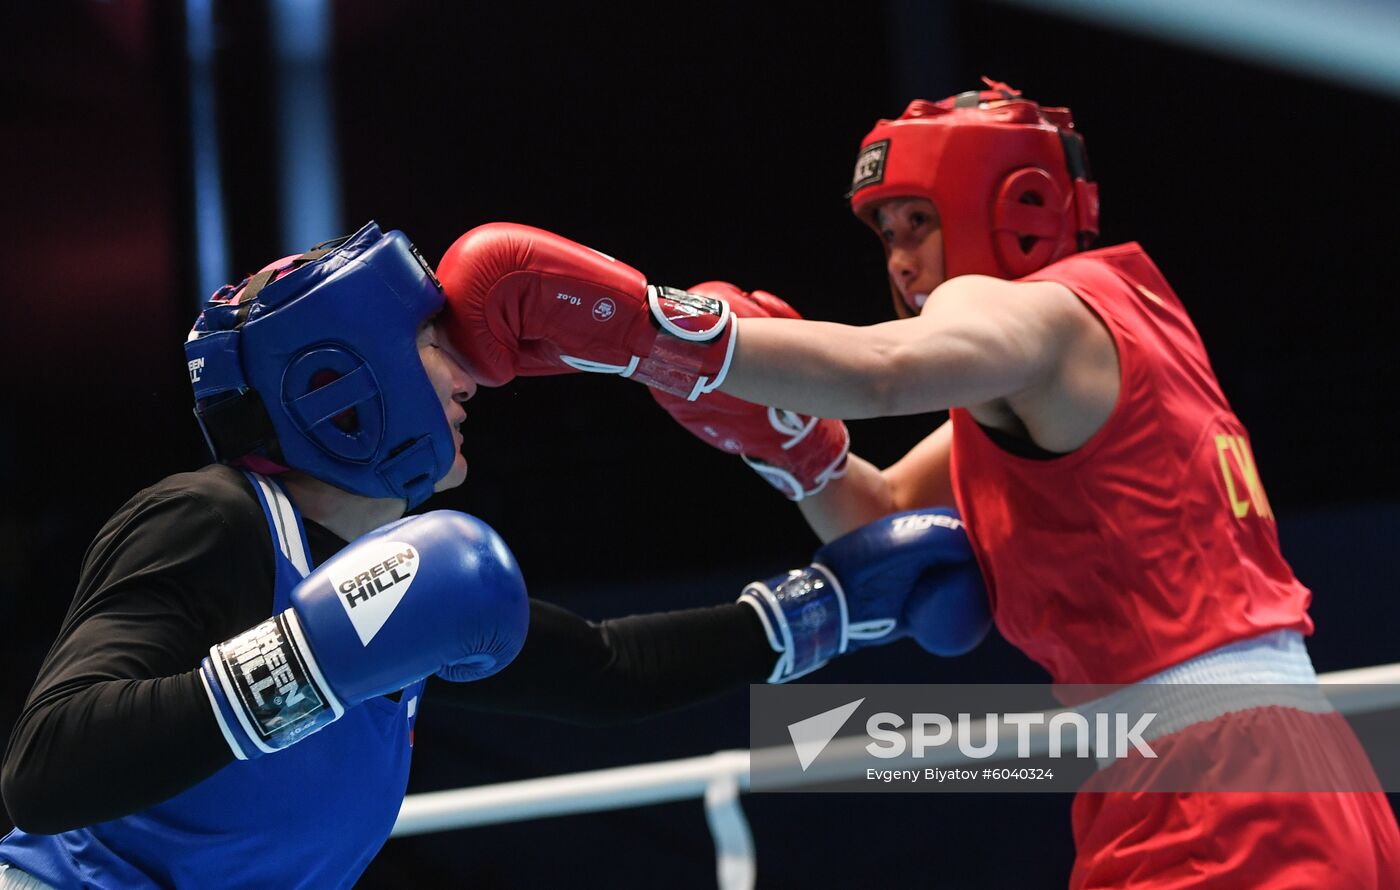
(734,856)
(719,777)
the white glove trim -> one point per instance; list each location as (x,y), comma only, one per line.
(705,384)
(219,714)
(789,485)
(752,602)
(838,467)
(592,367)
(783,665)
(840,598)
(234,703)
(762,599)
(873,629)
(798,435)
(777,477)
(294,625)
(670,327)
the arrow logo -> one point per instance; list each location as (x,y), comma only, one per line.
(811,736)
(371,581)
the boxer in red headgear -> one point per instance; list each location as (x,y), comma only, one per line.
(1110,491)
(1010,178)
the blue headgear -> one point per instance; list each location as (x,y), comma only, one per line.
(317,368)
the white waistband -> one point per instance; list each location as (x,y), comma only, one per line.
(1269,670)
(1277,657)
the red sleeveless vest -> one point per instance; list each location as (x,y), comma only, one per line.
(1154,541)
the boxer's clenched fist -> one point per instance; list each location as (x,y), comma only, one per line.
(795,453)
(521,300)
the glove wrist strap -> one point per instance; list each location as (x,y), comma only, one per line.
(814,454)
(787,482)
(692,352)
(689,349)
(804,615)
(266,689)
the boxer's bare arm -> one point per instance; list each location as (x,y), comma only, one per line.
(923,477)
(859,497)
(977,341)
(919,479)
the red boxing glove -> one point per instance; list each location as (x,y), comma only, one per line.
(521,300)
(795,453)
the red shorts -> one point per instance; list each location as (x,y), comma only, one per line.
(1244,837)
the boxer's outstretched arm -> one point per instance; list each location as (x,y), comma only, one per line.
(621,669)
(919,479)
(978,339)
(908,574)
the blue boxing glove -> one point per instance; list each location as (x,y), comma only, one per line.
(948,613)
(907,574)
(438,593)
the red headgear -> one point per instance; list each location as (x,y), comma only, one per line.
(1010,180)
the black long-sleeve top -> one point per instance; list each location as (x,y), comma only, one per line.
(118,720)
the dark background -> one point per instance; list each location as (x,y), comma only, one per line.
(712,141)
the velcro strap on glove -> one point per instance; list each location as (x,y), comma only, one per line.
(814,455)
(804,616)
(691,355)
(266,689)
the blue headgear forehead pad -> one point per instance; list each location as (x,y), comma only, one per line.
(315,365)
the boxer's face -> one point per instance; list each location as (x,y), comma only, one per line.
(913,237)
(454,386)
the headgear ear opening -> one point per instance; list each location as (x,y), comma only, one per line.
(347,421)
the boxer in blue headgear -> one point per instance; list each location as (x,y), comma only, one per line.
(293,366)
(229,614)
(231,700)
